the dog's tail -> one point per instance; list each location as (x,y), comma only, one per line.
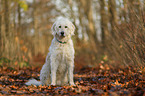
(33,82)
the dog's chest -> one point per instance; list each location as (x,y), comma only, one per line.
(64,51)
(62,56)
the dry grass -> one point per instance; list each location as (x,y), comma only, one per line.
(128,47)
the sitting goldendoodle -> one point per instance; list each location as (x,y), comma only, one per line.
(59,65)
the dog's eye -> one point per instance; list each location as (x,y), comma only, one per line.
(59,26)
(65,26)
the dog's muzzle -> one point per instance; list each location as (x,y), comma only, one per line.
(62,33)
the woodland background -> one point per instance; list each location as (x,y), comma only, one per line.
(108,32)
(109,46)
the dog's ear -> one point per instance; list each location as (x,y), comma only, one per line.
(72,29)
(53,29)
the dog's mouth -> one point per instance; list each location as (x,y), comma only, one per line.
(60,36)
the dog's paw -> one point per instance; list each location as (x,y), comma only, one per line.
(52,84)
(72,84)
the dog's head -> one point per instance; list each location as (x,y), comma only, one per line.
(63,28)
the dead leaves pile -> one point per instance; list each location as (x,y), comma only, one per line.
(89,81)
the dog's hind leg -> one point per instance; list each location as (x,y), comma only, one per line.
(45,74)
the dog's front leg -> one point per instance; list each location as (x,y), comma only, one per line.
(53,73)
(70,73)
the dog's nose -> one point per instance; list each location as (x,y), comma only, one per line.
(62,33)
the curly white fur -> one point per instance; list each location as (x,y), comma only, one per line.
(59,65)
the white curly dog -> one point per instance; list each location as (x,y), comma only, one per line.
(59,65)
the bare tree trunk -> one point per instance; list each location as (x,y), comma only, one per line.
(19,16)
(6,30)
(90,27)
(130,9)
(90,18)
(83,11)
(112,16)
(0,29)
(91,22)
(36,34)
(6,16)
(104,23)
(80,10)
(125,10)
(18,32)
(70,2)
(144,5)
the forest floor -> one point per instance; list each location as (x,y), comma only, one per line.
(89,81)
